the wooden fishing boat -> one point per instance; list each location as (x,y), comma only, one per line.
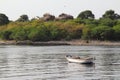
(77,59)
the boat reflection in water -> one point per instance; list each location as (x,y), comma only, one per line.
(81,71)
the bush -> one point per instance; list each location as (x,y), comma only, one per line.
(5,35)
(102,33)
(38,34)
(108,22)
(86,33)
(19,34)
(117,32)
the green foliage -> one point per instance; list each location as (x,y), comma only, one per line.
(19,34)
(35,35)
(117,32)
(86,33)
(79,21)
(5,35)
(107,22)
(23,18)
(3,19)
(111,15)
(83,27)
(87,14)
(56,33)
(39,34)
(102,33)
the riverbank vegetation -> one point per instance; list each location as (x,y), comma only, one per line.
(64,27)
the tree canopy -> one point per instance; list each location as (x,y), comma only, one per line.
(23,18)
(111,14)
(87,14)
(3,19)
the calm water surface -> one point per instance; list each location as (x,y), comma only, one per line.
(49,63)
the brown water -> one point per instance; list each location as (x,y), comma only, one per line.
(49,63)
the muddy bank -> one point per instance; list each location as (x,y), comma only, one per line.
(72,42)
(33,43)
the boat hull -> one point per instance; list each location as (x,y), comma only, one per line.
(81,61)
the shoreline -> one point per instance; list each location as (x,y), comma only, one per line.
(72,42)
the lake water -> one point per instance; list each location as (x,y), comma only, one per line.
(49,63)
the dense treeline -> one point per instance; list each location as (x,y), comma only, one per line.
(65,27)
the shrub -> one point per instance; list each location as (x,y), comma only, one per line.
(5,35)
(117,32)
(102,33)
(19,34)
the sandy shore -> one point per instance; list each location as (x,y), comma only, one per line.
(72,42)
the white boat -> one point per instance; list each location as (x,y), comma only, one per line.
(87,60)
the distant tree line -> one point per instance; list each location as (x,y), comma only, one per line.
(63,27)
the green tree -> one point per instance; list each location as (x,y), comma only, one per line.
(86,15)
(23,18)
(3,19)
(111,14)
